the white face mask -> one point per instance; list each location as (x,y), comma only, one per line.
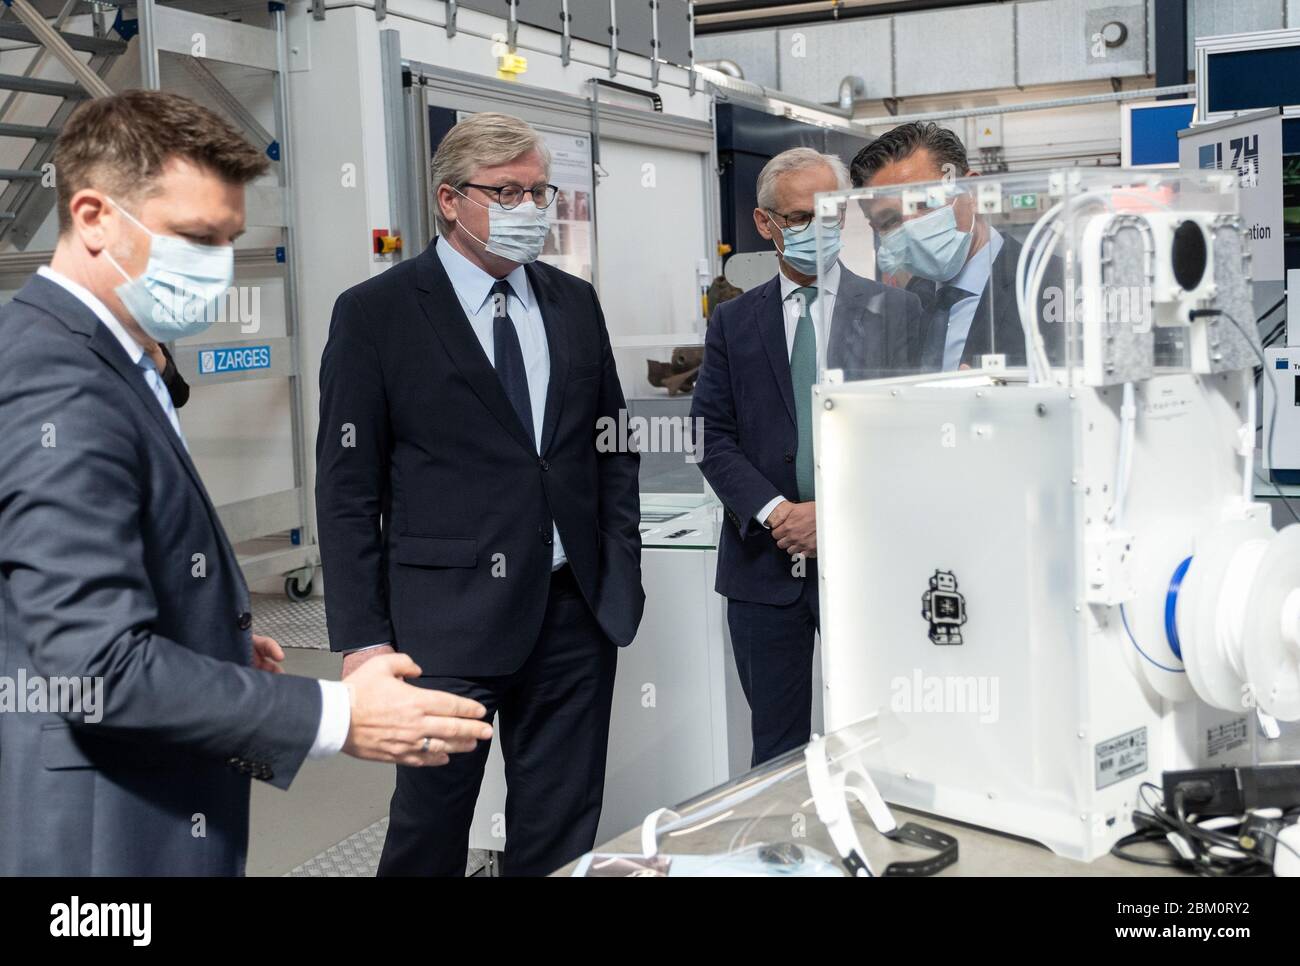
(515,234)
(180,290)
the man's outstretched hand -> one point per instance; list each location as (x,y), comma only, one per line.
(391,719)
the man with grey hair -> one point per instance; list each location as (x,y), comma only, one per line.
(754,396)
(467,516)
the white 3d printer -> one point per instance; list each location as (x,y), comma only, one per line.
(1051,578)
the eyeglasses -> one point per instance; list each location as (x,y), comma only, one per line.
(797,221)
(512,195)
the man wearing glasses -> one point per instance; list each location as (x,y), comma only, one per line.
(466,516)
(754,395)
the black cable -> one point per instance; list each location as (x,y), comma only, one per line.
(1276,305)
(1154,829)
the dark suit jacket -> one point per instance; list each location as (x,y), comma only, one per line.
(435,511)
(996,326)
(113,565)
(746,399)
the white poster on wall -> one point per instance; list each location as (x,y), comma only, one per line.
(569,245)
(1250,147)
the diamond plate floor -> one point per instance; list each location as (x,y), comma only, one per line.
(357,856)
(336,800)
(292,623)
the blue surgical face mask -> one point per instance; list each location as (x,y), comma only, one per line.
(516,234)
(181,288)
(800,248)
(929,246)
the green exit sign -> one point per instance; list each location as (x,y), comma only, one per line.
(1024,201)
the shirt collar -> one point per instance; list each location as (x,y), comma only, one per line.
(976,272)
(92,302)
(826,284)
(473,285)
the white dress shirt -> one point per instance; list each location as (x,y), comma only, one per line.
(822,311)
(336,704)
(974,277)
(473,288)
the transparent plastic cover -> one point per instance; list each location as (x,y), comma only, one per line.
(1008,270)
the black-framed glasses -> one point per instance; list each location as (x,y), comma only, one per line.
(797,221)
(512,195)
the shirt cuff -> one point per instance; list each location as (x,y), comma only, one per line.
(335,719)
(762,515)
(368,647)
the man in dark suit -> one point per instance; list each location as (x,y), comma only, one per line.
(148,703)
(754,396)
(962,268)
(468,517)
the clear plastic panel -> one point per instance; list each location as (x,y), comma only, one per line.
(811,812)
(1005,271)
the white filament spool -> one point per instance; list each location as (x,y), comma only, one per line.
(1272,628)
(1211,607)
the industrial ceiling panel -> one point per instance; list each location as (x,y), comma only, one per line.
(957,49)
(635,22)
(813,60)
(590,20)
(547,14)
(675,32)
(1211,18)
(1072,40)
(753,50)
(498,8)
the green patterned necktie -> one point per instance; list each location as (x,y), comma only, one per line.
(803,373)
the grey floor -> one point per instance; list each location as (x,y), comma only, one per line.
(331,821)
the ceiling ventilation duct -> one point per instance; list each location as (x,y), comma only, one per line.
(728,67)
(852,89)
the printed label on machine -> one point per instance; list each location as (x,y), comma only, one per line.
(1228,736)
(236,359)
(1121,757)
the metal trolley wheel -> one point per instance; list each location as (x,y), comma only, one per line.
(297,585)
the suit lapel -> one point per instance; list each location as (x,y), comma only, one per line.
(771,331)
(557,346)
(105,345)
(55,300)
(983,337)
(847,333)
(443,310)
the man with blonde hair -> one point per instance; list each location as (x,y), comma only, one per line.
(467,517)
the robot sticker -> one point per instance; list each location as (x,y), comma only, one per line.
(944,608)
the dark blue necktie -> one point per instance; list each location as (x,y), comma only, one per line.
(937,326)
(509,358)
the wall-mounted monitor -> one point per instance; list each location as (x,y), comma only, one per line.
(1149,132)
(1236,73)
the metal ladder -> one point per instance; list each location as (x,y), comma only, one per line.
(26,201)
(278,527)
(261,522)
